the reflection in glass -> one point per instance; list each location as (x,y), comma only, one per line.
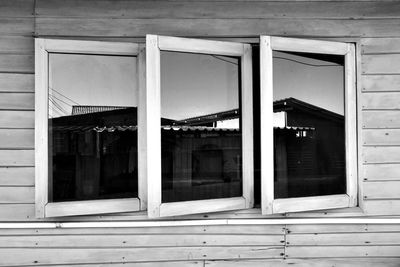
(92,127)
(200,133)
(309,125)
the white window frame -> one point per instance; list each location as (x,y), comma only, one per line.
(151,98)
(44,208)
(270,205)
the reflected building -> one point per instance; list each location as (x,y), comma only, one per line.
(95,153)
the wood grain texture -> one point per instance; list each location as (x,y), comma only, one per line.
(382,100)
(382,207)
(26,256)
(17,176)
(12,82)
(380,83)
(16,8)
(380,45)
(17,158)
(380,119)
(139,240)
(16,26)
(215,9)
(19,194)
(16,63)
(16,119)
(370,262)
(340,228)
(382,190)
(390,154)
(216,27)
(385,137)
(16,138)
(277,230)
(17,212)
(142,264)
(17,101)
(381,64)
(335,239)
(16,44)
(377,172)
(342,251)
(326,228)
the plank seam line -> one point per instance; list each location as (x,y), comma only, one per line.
(200,223)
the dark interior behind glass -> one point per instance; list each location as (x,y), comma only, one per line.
(201,131)
(92,127)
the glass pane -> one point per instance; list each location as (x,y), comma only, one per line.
(92,127)
(309,125)
(200,133)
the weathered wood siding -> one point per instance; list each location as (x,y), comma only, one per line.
(373,24)
(234,245)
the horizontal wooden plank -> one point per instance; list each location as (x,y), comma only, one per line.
(326,228)
(348,239)
(98,206)
(17,119)
(216,27)
(341,228)
(214,9)
(17,26)
(17,176)
(277,230)
(383,228)
(310,203)
(16,44)
(382,207)
(348,262)
(18,194)
(140,264)
(21,256)
(16,8)
(380,119)
(16,138)
(342,251)
(380,45)
(381,137)
(381,190)
(16,63)
(17,212)
(136,240)
(381,154)
(377,172)
(17,101)
(17,157)
(382,100)
(380,82)
(12,82)
(380,64)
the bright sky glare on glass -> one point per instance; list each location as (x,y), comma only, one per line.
(90,80)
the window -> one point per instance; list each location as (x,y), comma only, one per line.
(199,126)
(309,161)
(87,128)
(167,126)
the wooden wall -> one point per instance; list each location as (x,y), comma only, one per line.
(217,246)
(373,24)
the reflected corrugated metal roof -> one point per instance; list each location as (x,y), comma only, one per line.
(191,128)
(164,127)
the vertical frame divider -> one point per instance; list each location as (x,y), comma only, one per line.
(351,125)
(152,125)
(142,134)
(247,117)
(41,127)
(267,130)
